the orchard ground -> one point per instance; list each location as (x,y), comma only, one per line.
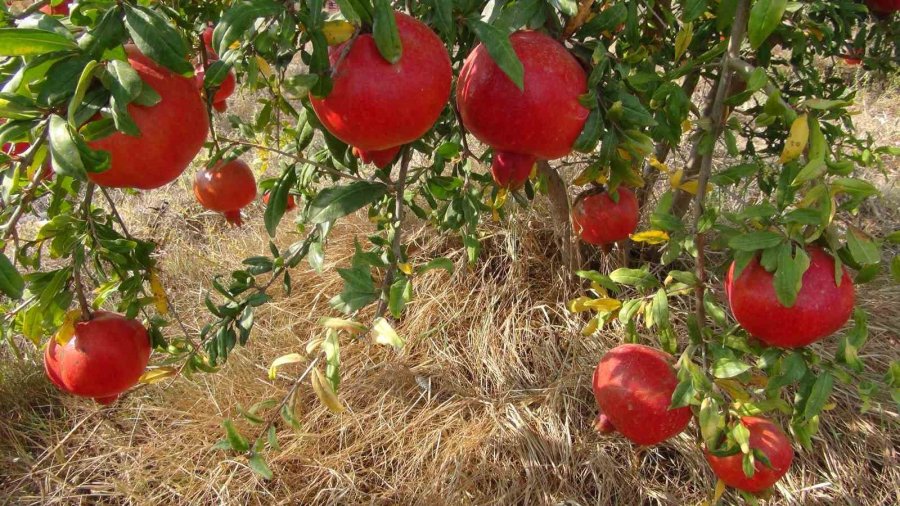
(489,402)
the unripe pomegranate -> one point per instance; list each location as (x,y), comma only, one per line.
(381,159)
(60,10)
(375,105)
(289,206)
(820,310)
(226,187)
(172,131)
(884,7)
(105,357)
(600,220)
(633,385)
(766,437)
(511,170)
(543,121)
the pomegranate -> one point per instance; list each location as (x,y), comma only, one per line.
(766,437)
(226,187)
(381,159)
(543,121)
(511,170)
(172,131)
(821,308)
(60,10)
(290,206)
(884,7)
(105,357)
(220,106)
(633,385)
(599,220)
(225,88)
(376,105)
(207,36)
(854,56)
(15,148)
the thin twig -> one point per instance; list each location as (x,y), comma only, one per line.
(287,399)
(297,158)
(397,242)
(31,9)
(28,194)
(578,20)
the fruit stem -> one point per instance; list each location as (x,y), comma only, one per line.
(738,28)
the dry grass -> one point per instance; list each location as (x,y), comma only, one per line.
(489,403)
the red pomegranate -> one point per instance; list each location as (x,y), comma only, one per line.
(633,385)
(60,10)
(220,106)
(105,357)
(223,91)
(821,308)
(854,56)
(15,148)
(600,220)
(172,131)
(226,187)
(381,159)
(885,7)
(207,36)
(766,437)
(544,120)
(511,170)
(290,206)
(376,105)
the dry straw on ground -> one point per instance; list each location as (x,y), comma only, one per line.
(489,403)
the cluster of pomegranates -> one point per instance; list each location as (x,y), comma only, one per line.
(633,386)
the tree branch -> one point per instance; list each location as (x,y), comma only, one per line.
(578,20)
(397,242)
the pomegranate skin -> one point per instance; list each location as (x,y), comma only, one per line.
(226,187)
(545,119)
(764,436)
(172,132)
(15,148)
(633,385)
(220,106)
(60,10)
(375,105)
(105,357)
(821,309)
(289,206)
(883,6)
(380,159)
(599,220)
(511,170)
(225,89)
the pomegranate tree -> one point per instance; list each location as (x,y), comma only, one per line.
(226,187)
(105,356)
(766,440)
(633,385)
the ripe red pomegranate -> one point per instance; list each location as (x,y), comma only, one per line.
(60,10)
(544,120)
(766,437)
(885,7)
(381,159)
(223,91)
(511,170)
(290,206)
(633,385)
(208,41)
(376,105)
(599,220)
(15,148)
(854,56)
(226,187)
(172,132)
(220,106)
(821,308)
(105,357)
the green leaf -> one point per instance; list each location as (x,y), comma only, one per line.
(238,442)
(590,135)
(789,273)
(157,39)
(711,422)
(693,9)
(683,39)
(754,241)
(339,201)
(659,309)
(385,32)
(278,199)
(639,278)
(399,295)
(735,174)
(765,16)
(359,289)
(818,395)
(11,282)
(70,156)
(32,41)
(258,464)
(895,268)
(729,367)
(497,43)
(741,435)
(567,7)
(812,170)
(437,263)
(863,250)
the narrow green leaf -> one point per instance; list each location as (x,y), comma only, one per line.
(765,16)
(157,39)
(339,201)
(32,41)
(385,32)
(258,464)
(754,241)
(11,282)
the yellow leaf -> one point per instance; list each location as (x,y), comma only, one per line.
(405,268)
(734,389)
(829,406)
(603,305)
(157,375)
(495,215)
(337,32)
(591,326)
(683,39)
(650,237)
(385,334)
(686,126)
(65,331)
(675,178)
(290,358)
(578,305)
(658,165)
(326,394)
(502,195)
(264,67)
(796,141)
(313,345)
(597,287)
(159,295)
(720,491)
(353,328)
(625,155)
